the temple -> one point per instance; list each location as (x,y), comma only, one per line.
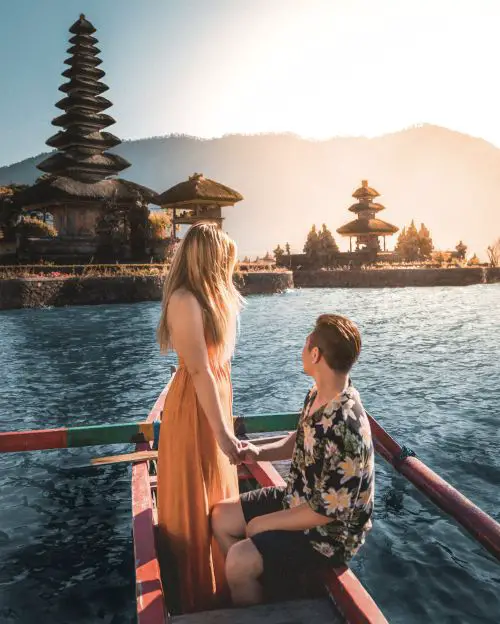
(367,229)
(198,199)
(93,211)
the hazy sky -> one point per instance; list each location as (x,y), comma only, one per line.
(319,68)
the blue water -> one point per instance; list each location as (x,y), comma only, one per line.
(430,371)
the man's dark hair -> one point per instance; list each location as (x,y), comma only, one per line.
(338,341)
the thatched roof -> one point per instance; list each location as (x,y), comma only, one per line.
(366,206)
(365,192)
(360,227)
(56,189)
(198,189)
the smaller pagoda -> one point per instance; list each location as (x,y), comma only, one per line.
(198,199)
(367,229)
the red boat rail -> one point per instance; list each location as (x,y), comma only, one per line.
(473,519)
(151,608)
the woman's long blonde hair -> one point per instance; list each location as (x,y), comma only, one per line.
(204,265)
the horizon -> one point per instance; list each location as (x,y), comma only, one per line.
(253,78)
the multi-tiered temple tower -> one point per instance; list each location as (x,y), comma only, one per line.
(367,229)
(90,206)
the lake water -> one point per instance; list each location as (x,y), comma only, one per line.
(429,371)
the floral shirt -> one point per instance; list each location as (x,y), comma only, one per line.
(333,471)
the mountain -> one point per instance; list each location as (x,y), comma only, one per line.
(442,178)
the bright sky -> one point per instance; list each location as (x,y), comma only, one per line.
(318,68)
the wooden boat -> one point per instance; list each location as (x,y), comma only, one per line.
(344,598)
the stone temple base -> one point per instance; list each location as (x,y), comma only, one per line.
(60,250)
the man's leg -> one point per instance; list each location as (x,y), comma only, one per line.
(228,523)
(244,566)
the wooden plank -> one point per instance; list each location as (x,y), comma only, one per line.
(124,457)
(319,611)
(33,440)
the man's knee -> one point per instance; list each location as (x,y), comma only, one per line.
(243,562)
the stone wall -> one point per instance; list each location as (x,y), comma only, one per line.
(493,276)
(390,278)
(262,282)
(35,293)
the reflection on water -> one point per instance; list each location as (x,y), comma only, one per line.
(429,371)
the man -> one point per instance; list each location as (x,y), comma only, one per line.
(322,515)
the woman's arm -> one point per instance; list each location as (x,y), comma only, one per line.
(188,339)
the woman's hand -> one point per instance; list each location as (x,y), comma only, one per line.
(249,452)
(230,446)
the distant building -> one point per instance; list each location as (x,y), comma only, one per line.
(197,199)
(367,229)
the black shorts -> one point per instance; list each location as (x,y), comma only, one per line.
(284,553)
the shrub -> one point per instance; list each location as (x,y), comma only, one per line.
(34,227)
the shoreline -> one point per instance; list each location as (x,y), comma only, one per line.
(41,292)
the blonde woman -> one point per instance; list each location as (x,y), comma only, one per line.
(198,449)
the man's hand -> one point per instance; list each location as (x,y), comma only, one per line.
(249,453)
(254,526)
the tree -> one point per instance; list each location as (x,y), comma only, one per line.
(278,254)
(494,253)
(474,261)
(287,249)
(312,247)
(424,243)
(408,245)
(10,210)
(267,257)
(246,260)
(160,224)
(327,247)
(414,245)
(461,249)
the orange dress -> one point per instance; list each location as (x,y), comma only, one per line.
(193,475)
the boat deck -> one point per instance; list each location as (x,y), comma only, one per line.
(319,611)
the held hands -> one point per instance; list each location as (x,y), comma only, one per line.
(230,446)
(238,451)
(249,452)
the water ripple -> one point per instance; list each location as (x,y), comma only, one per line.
(429,371)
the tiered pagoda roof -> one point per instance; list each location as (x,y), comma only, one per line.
(81,145)
(199,190)
(366,224)
(56,189)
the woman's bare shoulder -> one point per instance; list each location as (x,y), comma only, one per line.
(183,301)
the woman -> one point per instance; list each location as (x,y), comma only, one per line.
(198,449)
